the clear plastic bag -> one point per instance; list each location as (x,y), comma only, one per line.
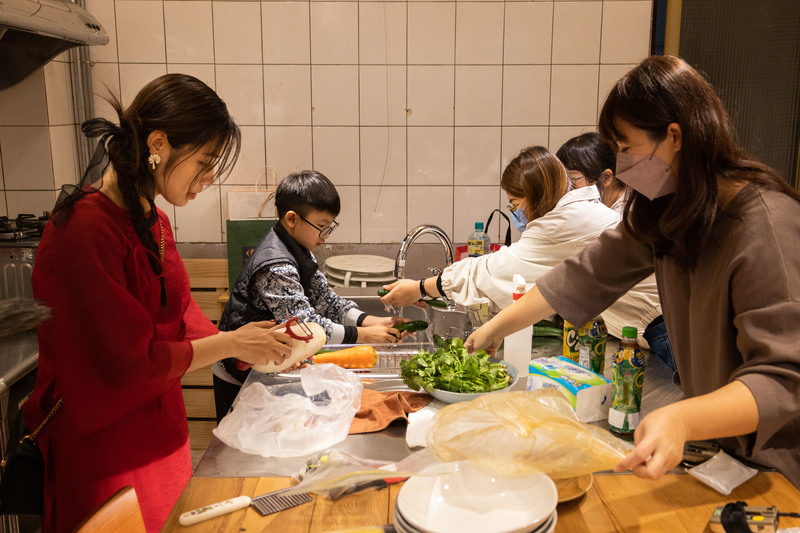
(294,419)
(521,433)
(334,473)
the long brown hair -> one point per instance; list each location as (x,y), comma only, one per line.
(539,177)
(662,90)
(192,116)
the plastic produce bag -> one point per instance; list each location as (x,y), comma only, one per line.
(334,473)
(521,433)
(294,419)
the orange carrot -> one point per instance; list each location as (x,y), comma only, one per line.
(362,356)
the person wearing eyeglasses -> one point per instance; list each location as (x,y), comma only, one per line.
(591,161)
(555,223)
(281,280)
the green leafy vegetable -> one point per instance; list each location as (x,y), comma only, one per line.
(454,369)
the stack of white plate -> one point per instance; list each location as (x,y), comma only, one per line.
(359,270)
(470,500)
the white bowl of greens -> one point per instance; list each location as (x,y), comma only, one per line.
(451,374)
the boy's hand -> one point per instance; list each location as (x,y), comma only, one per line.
(402,292)
(381,333)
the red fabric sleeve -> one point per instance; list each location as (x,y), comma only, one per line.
(101,348)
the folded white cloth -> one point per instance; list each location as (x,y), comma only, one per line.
(420,422)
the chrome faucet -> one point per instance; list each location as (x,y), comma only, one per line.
(436,231)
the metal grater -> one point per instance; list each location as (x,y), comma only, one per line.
(277,501)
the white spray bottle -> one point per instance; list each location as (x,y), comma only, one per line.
(517,346)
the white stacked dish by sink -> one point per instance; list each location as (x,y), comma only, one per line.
(359,270)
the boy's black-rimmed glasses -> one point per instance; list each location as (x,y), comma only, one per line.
(323,232)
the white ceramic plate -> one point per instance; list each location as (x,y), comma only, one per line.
(455,397)
(366,264)
(471,501)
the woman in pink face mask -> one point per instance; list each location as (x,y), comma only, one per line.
(720,232)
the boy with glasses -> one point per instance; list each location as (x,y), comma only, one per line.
(281,279)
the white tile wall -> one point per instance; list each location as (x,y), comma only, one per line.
(383,156)
(413,108)
(237,32)
(286,32)
(349,218)
(336,154)
(27,164)
(430,156)
(334,95)
(200,220)
(476,156)
(431,33)
(140,31)
(189,31)
(334,33)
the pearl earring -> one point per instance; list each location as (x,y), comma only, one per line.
(154,159)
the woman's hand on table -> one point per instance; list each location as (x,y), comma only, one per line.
(659,440)
(402,292)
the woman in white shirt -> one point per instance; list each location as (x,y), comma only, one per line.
(555,224)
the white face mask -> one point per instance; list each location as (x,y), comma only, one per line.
(647,174)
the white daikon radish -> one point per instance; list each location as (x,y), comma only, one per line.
(300,349)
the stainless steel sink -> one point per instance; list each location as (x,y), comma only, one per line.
(447,323)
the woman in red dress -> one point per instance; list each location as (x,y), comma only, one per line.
(124,327)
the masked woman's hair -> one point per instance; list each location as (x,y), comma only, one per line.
(539,177)
(190,114)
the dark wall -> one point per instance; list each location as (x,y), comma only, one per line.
(750,51)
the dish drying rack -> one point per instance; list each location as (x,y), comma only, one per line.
(387,365)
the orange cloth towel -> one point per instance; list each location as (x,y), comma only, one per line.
(381,408)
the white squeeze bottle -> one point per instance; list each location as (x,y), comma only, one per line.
(517,346)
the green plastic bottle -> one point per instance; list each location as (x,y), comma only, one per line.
(627,378)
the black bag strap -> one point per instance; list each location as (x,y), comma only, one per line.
(508,230)
(734,519)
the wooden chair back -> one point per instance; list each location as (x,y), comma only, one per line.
(119,514)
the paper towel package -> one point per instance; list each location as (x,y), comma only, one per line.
(588,392)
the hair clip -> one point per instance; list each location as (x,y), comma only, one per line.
(307,332)
(153,160)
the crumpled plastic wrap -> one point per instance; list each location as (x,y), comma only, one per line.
(521,433)
(294,419)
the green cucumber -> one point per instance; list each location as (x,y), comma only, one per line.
(412,327)
(439,342)
(546,331)
(436,302)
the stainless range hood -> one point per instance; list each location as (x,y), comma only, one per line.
(32,32)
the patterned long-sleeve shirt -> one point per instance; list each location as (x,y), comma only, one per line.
(277,288)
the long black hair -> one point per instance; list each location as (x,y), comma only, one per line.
(190,114)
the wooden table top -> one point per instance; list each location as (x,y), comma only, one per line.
(677,503)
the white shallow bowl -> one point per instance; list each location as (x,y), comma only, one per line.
(471,501)
(455,397)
